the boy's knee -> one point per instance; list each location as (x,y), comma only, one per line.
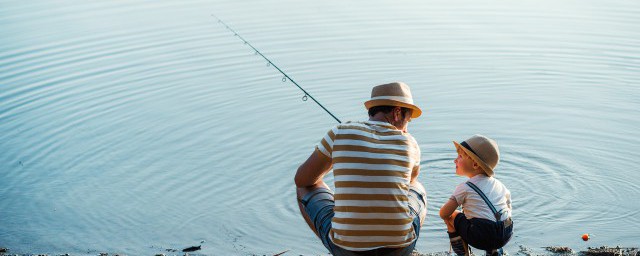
(451,218)
(448,220)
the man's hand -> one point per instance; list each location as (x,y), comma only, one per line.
(312,171)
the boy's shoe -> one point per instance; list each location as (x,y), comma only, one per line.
(496,252)
(459,246)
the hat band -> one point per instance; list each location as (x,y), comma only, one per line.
(396,98)
(465,145)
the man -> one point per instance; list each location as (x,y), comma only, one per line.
(378,206)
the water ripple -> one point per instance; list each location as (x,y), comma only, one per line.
(153,121)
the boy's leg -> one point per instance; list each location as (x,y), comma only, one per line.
(503,237)
(496,252)
(450,226)
(458,245)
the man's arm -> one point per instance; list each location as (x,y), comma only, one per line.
(312,171)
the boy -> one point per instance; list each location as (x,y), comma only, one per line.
(486,221)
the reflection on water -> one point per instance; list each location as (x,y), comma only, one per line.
(141,127)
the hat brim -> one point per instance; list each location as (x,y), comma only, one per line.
(485,167)
(373,103)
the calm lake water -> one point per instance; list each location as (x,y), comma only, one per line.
(139,126)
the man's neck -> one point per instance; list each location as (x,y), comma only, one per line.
(378,118)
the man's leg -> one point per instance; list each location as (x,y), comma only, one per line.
(418,208)
(301,192)
(420,189)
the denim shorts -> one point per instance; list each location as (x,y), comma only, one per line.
(483,234)
(318,205)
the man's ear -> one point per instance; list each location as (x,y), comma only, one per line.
(397,113)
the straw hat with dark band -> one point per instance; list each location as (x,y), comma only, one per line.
(394,94)
(482,150)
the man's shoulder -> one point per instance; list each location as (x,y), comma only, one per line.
(411,138)
(367,126)
(348,124)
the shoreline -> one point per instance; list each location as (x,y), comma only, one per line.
(523,251)
(558,250)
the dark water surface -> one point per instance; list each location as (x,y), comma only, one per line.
(137,126)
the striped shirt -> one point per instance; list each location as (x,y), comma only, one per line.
(372,165)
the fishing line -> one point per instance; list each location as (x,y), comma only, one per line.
(270,63)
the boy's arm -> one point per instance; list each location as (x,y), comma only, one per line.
(313,170)
(448,208)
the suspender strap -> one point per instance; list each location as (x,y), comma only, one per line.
(486,200)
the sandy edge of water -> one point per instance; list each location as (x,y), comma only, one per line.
(559,251)
(523,251)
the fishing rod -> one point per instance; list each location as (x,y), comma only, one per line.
(270,63)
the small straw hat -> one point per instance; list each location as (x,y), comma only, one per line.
(482,150)
(394,94)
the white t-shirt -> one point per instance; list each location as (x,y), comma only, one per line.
(473,205)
